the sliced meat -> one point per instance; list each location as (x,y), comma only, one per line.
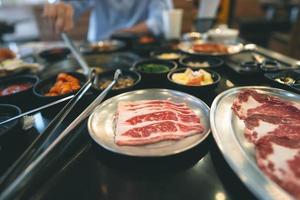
(250,102)
(155,132)
(157,105)
(282,110)
(146,122)
(279,159)
(147,103)
(273,125)
(163,115)
(260,125)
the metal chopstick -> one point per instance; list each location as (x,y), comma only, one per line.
(39,163)
(37,109)
(76,53)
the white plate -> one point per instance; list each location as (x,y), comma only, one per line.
(101,123)
(228,131)
(186,47)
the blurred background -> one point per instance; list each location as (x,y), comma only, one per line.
(273,24)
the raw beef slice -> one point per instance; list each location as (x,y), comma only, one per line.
(146,122)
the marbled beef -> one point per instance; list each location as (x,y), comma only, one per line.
(146,122)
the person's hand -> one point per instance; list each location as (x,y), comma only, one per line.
(61,14)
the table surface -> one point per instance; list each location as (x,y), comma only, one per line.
(85,170)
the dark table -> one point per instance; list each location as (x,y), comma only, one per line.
(84,170)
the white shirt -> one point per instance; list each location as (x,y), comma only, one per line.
(108,16)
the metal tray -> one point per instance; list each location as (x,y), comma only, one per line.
(228,132)
(102,46)
(186,47)
(101,124)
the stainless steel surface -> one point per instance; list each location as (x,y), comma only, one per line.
(101,123)
(258,58)
(232,48)
(76,53)
(15,186)
(38,109)
(280,57)
(102,62)
(228,132)
(102,46)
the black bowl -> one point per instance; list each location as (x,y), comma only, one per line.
(250,66)
(108,75)
(10,139)
(154,80)
(194,90)
(8,111)
(44,86)
(103,46)
(18,98)
(213,62)
(143,47)
(155,54)
(270,66)
(55,54)
(281,79)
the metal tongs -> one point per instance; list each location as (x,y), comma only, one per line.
(86,70)
(39,148)
(43,140)
(41,162)
(35,158)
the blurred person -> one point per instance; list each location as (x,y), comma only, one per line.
(110,16)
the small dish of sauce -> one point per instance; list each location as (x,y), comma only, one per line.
(14,88)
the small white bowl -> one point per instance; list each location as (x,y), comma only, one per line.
(223,35)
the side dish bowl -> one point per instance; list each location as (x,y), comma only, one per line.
(55,54)
(128,81)
(203,62)
(14,90)
(44,86)
(194,89)
(154,72)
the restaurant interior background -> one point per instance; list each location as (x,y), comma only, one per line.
(42,159)
(273,24)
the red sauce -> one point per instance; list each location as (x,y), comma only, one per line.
(14,88)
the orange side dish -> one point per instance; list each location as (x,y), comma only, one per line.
(64,84)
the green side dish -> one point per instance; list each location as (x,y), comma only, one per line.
(153,68)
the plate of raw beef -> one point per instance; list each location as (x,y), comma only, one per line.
(258,131)
(150,123)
